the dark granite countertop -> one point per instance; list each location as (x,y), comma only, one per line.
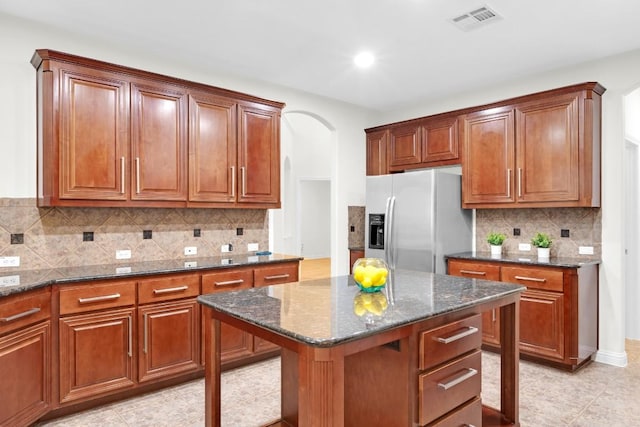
(527,259)
(321,312)
(22,281)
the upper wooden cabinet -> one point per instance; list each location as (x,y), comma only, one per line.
(377,152)
(115,136)
(537,151)
(420,143)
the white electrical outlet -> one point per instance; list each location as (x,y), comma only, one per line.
(253,247)
(224,248)
(10,261)
(123,254)
(123,270)
(225,261)
(253,258)
(524,246)
(190,250)
(585,250)
(190,264)
(10,280)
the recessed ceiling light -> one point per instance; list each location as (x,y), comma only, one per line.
(364,59)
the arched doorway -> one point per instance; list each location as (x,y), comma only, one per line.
(307,188)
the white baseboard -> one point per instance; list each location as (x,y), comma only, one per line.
(612,358)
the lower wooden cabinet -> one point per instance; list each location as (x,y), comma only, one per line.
(558,311)
(25,388)
(354,254)
(170,339)
(96,353)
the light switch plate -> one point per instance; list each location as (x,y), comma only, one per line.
(585,250)
(10,280)
(190,250)
(123,254)
(10,261)
(190,264)
(224,248)
(253,247)
(524,246)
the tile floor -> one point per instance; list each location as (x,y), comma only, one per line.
(597,395)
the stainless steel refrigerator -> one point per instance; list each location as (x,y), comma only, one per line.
(415,218)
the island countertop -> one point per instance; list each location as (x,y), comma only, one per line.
(321,313)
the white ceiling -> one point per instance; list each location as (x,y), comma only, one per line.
(309,45)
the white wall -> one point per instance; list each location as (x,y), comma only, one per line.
(20,38)
(315,217)
(619,74)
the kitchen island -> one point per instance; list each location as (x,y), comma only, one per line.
(412,361)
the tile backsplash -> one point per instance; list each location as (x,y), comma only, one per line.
(584,225)
(357,221)
(53,237)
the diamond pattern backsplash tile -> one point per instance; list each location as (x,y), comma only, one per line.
(584,225)
(53,236)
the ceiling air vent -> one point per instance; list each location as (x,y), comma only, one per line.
(476,18)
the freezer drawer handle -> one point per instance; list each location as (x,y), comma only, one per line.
(229,282)
(20,315)
(469,330)
(277,276)
(98,299)
(531,279)
(475,273)
(470,373)
(169,290)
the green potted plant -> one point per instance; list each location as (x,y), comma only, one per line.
(496,240)
(542,241)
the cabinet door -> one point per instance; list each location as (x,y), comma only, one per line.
(542,324)
(477,270)
(259,156)
(377,153)
(169,340)
(96,354)
(487,170)
(547,149)
(94,135)
(235,343)
(440,140)
(159,144)
(212,149)
(25,360)
(405,146)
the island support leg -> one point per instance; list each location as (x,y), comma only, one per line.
(212,371)
(319,392)
(510,361)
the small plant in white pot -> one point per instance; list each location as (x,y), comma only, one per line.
(496,240)
(542,241)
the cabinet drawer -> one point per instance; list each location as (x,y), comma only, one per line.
(272,275)
(20,310)
(450,341)
(227,280)
(474,270)
(449,386)
(469,414)
(168,288)
(534,278)
(96,296)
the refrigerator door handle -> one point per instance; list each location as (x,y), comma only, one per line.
(390,240)
(386,240)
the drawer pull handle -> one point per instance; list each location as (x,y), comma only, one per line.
(98,299)
(20,315)
(229,282)
(470,373)
(146,331)
(130,324)
(475,273)
(531,279)
(169,290)
(470,330)
(277,276)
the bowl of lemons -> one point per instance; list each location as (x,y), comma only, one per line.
(370,274)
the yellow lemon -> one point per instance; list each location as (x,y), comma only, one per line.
(366,282)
